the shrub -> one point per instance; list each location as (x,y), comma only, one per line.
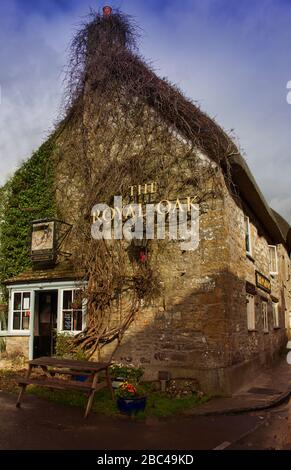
(127,372)
(64,346)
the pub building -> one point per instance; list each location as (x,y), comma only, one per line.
(224,309)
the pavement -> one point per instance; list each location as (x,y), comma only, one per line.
(269,389)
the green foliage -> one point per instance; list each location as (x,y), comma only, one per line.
(103,404)
(63,348)
(158,405)
(63,344)
(3,317)
(27,196)
(127,372)
(2,345)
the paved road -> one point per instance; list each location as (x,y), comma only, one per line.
(45,425)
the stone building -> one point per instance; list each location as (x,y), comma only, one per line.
(223,310)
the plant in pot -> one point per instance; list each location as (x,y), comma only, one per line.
(131,398)
(121,373)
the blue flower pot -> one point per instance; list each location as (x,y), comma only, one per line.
(80,378)
(131,405)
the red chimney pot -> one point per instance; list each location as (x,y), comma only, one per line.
(107,10)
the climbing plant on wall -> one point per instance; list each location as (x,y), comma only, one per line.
(27,196)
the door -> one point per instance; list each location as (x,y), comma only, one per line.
(45,324)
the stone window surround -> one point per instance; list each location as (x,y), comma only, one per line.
(248,238)
(276,315)
(274,248)
(251,315)
(264,310)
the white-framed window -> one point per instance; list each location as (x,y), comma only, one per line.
(72,310)
(275,307)
(265,316)
(248,240)
(21,306)
(251,316)
(273,259)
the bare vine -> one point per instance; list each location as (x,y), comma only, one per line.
(125,126)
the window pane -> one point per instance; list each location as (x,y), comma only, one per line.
(247,235)
(276,315)
(26,301)
(67,302)
(67,321)
(17,301)
(265,315)
(16,320)
(273,259)
(77,320)
(77,299)
(25,321)
(251,312)
(247,243)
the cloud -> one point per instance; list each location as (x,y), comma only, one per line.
(233,57)
(32,58)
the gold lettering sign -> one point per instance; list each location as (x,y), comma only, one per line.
(263,282)
(143,189)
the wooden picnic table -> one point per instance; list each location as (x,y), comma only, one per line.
(53,366)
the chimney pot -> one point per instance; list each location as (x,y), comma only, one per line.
(107,10)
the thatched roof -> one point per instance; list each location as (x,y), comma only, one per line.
(112,55)
(109,42)
(213,140)
(191,121)
(64,271)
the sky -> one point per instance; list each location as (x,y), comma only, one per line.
(232,57)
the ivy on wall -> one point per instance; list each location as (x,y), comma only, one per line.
(27,196)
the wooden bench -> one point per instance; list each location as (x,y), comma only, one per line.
(53,366)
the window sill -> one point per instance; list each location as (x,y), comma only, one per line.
(254,330)
(277,327)
(249,256)
(266,332)
(14,333)
(70,333)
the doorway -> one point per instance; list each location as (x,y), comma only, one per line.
(45,323)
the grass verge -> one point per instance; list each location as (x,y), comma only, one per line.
(158,404)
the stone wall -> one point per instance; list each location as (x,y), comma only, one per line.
(185,332)
(17,346)
(200,330)
(198,327)
(256,346)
